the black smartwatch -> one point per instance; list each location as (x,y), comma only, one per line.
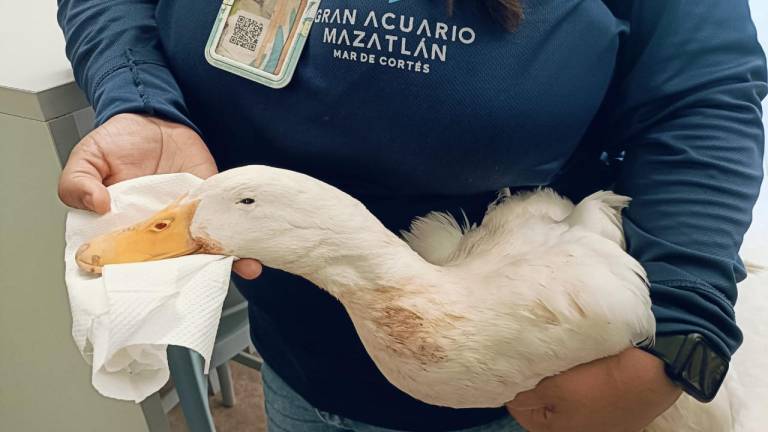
(692,363)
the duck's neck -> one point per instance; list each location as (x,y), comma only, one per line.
(357,267)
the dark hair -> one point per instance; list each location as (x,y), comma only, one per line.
(509,13)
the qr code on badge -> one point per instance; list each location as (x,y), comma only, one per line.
(247,33)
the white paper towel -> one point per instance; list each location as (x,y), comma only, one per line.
(123,321)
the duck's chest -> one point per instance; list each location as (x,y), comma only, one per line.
(432,354)
(407,346)
(400,96)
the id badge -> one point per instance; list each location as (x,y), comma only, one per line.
(261,40)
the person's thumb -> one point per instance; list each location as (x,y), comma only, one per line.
(247,268)
(80,185)
(84,193)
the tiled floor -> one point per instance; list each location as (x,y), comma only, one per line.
(248,413)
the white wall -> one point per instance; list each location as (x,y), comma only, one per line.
(760,16)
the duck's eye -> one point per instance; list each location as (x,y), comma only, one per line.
(246,201)
(161,225)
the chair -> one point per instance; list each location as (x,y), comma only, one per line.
(191,386)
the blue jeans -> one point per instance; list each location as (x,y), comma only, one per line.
(289,412)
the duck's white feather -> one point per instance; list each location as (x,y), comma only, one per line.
(545,287)
(736,408)
(601,214)
(436,236)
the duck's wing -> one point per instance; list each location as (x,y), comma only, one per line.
(442,240)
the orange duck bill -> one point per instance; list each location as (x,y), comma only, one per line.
(164,235)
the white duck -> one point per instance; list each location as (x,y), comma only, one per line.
(459,317)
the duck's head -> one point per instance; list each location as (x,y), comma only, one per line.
(260,212)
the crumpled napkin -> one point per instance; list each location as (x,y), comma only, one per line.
(123,320)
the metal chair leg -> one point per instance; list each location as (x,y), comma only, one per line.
(214,385)
(227,389)
(250,360)
(187,372)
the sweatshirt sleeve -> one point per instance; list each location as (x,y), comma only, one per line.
(118,60)
(691,78)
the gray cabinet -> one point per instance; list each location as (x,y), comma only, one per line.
(44,383)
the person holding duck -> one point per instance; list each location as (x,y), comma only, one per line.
(658,100)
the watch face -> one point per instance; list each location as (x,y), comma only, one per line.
(704,370)
(693,364)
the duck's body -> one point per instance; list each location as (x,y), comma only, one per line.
(458,317)
(527,294)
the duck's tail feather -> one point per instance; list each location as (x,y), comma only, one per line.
(601,214)
(436,236)
(503,195)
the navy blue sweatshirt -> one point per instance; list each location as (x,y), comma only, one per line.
(659,98)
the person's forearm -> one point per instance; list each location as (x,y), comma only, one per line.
(117,58)
(690,123)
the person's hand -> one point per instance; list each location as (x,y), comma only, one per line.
(623,393)
(128,146)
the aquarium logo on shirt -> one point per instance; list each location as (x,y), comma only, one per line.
(391,40)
